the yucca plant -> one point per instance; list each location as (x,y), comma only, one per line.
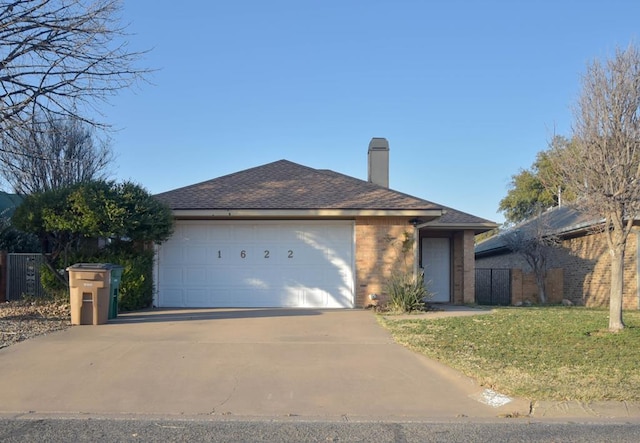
(407,292)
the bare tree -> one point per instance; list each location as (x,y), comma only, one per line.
(603,163)
(533,241)
(54,153)
(59,56)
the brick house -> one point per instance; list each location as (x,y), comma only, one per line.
(287,235)
(580,265)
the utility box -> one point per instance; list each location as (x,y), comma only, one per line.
(91,292)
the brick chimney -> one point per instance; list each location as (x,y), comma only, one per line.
(379,161)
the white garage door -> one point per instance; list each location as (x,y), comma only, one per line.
(257,264)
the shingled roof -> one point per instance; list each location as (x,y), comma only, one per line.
(284,185)
(287,185)
(562,221)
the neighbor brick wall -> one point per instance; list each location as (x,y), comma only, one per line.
(525,289)
(587,266)
(379,253)
(586,269)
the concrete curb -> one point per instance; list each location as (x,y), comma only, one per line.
(577,409)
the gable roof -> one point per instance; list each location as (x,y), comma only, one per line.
(562,221)
(288,186)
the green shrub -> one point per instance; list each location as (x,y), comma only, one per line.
(136,285)
(52,285)
(407,292)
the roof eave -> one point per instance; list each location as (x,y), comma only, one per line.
(478,228)
(493,251)
(303,213)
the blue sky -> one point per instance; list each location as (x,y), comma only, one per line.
(466,92)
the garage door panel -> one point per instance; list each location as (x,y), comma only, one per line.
(316,297)
(290,297)
(267,234)
(257,264)
(196,276)
(303,254)
(196,296)
(242,233)
(171,253)
(219,234)
(196,234)
(195,254)
(173,297)
(340,260)
(171,276)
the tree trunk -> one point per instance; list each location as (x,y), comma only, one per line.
(542,295)
(615,298)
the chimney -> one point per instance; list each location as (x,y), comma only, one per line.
(379,161)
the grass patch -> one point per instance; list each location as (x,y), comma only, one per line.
(546,353)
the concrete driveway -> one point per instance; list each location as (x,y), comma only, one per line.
(252,362)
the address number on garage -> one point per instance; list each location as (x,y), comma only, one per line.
(265,254)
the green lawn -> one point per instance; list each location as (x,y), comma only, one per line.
(546,353)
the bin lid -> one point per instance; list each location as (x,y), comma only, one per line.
(93,266)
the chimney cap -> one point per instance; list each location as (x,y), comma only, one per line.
(378,144)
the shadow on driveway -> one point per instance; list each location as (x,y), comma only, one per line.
(177,315)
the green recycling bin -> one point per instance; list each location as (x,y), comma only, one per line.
(116,276)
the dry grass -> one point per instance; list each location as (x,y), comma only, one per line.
(550,353)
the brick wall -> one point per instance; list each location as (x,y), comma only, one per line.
(586,269)
(379,254)
(525,289)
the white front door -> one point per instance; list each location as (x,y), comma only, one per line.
(436,262)
(257,264)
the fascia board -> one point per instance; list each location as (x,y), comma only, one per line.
(458,226)
(303,213)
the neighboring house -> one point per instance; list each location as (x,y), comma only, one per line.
(9,203)
(581,256)
(286,235)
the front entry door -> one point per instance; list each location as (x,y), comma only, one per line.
(436,262)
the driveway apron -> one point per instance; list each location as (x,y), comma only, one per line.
(248,362)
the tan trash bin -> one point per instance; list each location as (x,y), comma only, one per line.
(89,293)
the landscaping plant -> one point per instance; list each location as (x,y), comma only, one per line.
(407,292)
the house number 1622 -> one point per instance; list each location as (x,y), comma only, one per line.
(267,253)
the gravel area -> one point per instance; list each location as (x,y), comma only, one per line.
(22,320)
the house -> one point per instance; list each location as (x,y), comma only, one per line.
(287,235)
(581,257)
(9,203)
